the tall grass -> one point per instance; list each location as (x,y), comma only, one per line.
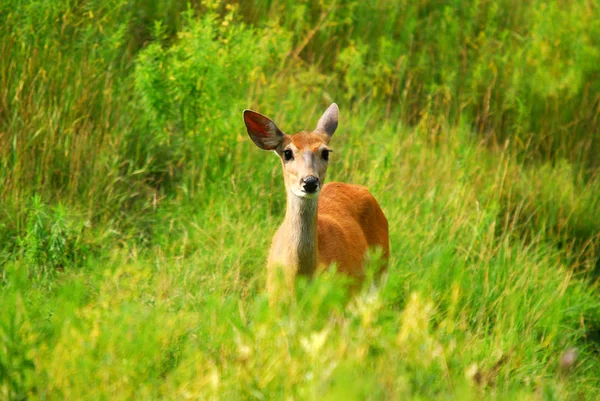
(514,70)
(136,214)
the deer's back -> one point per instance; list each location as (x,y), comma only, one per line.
(350,221)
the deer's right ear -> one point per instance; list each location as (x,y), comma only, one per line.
(263,132)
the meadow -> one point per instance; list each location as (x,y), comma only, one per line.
(136,214)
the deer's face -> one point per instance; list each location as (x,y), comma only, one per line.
(304,156)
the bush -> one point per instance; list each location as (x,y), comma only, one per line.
(192,92)
(53,238)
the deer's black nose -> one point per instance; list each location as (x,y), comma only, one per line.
(310,184)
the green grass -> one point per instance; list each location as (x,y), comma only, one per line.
(136,214)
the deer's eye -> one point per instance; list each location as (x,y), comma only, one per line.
(288,155)
(325,154)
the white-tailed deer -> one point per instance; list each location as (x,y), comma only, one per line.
(324,224)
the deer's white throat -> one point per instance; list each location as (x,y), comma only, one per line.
(301,220)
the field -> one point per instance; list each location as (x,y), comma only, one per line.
(136,214)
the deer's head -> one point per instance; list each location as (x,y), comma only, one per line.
(304,156)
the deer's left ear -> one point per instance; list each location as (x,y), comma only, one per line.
(263,132)
(329,120)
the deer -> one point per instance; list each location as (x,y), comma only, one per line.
(324,225)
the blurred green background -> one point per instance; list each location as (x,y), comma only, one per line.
(136,214)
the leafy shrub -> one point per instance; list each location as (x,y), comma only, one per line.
(52,239)
(192,92)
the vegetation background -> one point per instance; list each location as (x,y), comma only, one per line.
(135,214)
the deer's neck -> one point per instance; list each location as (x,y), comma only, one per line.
(301,229)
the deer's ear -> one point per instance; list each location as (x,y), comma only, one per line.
(263,132)
(329,120)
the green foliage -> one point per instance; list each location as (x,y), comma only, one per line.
(52,239)
(135,214)
(513,69)
(16,365)
(182,92)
